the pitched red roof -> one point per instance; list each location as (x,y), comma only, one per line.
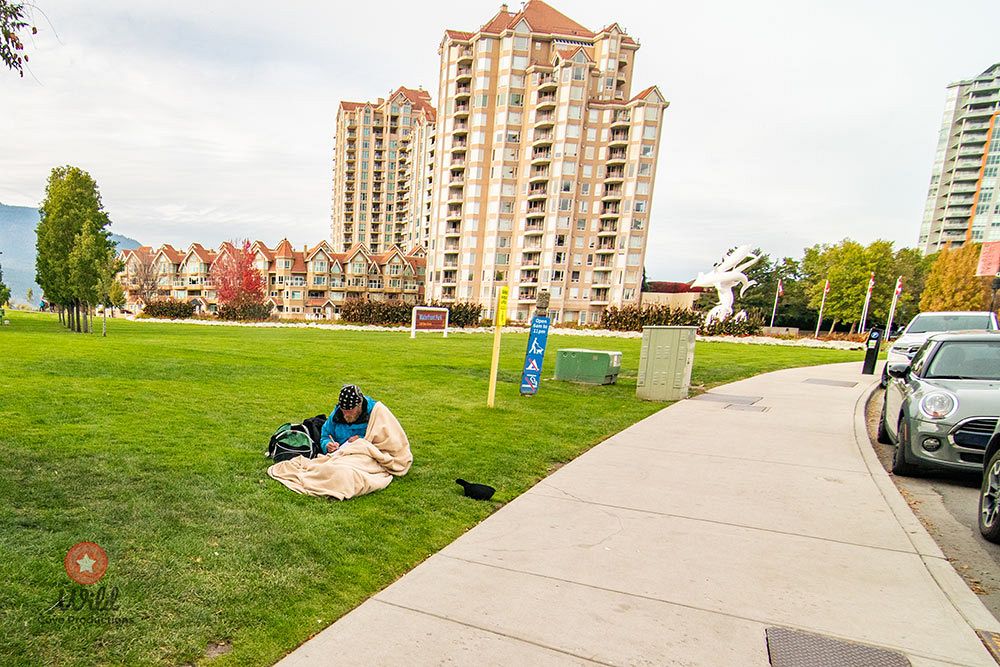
(284,249)
(174,255)
(258,246)
(666,287)
(317,302)
(643,94)
(298,262)
(351,106)
(458,34)
(544,18)
(199,251)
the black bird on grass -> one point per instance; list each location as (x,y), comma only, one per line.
(476,491)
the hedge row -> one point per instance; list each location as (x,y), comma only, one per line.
(634,318)
(169,309)
(246,311)
(388,313)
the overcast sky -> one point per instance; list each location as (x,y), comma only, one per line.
(790,122)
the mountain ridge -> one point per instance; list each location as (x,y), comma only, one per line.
(17,243)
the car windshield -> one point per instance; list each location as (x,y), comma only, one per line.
(966,360)
(927,323)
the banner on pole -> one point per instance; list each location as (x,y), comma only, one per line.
(500,317)
(533,358)
(989,259)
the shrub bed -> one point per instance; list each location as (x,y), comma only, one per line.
(169,309)
(387,313)
(634,318)
(247,311)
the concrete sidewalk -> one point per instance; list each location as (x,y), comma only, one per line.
(678,542)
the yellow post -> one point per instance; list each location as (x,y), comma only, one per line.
(499,319)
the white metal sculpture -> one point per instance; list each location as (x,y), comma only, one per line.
(724,277)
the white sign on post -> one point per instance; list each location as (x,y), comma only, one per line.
(426,318)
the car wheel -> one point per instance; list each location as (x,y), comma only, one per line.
(882,435)
(989,500)
(900,465)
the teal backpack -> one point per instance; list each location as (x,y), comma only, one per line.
(291,440)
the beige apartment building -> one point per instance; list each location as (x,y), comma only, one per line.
(963,200)
(381,188)
(310,283)
(544,165)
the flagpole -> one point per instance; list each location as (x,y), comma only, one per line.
(868,298)
(774,311)
(892,308)
(819,321)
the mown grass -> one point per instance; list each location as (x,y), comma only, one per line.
(149,442)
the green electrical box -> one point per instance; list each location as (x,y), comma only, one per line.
(588,366)
(665,361)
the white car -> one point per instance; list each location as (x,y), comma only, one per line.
(924,325)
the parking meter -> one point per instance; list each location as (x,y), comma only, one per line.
(871,351)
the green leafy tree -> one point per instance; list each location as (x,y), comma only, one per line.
(848,266)
(952,283)
(913,266)
(14,28)
(72,204)
(109,291)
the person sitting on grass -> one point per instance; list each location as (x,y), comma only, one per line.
(364,448)
(349,419)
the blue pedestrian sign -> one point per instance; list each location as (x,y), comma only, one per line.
(533,358)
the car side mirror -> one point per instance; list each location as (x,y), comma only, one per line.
(898,370)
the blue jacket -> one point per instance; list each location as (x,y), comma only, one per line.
(340,430)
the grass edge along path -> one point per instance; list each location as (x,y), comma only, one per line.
(149,442)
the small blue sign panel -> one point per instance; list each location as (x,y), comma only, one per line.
(533,358)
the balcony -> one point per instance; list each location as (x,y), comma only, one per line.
(546,101)
(465,55)
(608,228)
(621,119)
(455,196)
(540,156)
(612,194)
(538,192)
(616,156)
(542,138)
(461,127)
(618,138)
(539,174)
(459,146)
(454,213)
(463,91)
(545,81)
(457,180)
(615,174)
(545,119)
(457,163)
(534,228)
(462,109)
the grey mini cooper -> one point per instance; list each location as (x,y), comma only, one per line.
(941,408)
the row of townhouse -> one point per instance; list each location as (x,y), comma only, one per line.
(311,283)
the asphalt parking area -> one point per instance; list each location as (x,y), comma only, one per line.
(947,503)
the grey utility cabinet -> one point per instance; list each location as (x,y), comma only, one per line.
(665,362)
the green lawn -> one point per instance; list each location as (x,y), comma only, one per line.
(149,442)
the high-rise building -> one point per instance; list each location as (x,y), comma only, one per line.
(963,202)
(380,175)
(544,165)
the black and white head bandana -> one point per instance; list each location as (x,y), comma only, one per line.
(350,397)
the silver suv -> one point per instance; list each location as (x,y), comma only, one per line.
(924,325)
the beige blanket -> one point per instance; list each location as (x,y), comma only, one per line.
(356,468)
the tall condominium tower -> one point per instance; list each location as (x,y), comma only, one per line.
(381,187)
(963,202)
(544,165)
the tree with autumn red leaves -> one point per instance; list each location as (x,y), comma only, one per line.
(239,286)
